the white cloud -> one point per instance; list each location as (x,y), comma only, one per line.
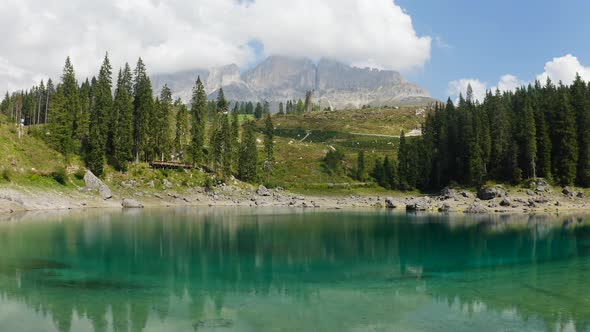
(460,87)
(508,83)
(564,69)
(184,34)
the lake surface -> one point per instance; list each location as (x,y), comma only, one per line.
(215,269)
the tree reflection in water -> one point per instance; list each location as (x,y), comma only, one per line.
(257,269)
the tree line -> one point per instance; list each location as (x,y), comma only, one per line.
(535,131)
(121,122)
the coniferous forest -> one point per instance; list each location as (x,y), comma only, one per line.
(116,119)
(535,131)
(541,130)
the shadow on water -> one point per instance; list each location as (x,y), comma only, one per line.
(238,268)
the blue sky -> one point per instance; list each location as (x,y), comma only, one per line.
(487,39)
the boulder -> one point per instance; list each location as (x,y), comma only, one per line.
(105,192)
(476,208)
(167,184)
(129,203)
(93,183)
(505,202)
(418,204)
(580,195)
(568,192)
(390,203)
(466,194)
(263,191)
(447,193)
(487,193)
(446,207)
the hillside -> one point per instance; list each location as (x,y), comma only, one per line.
(31,162)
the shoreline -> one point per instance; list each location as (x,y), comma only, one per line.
(24,199)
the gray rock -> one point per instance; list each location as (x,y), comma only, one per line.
(531,203)
(541,199)
(447,193)
(105,192)
(390,203)
(263,191)
(446,207)
(487,193)
(505,202)
(167,184)
(93,183)
(476,208)
(151,184)
(466,194)
(568,192)
(129,203)
(580,195)
(418,204)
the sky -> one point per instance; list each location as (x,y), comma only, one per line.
(441,45)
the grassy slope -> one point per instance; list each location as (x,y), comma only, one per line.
(299,163)
(30,161)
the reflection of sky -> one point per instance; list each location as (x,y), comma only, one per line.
(255,269)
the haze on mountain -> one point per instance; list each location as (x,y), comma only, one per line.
(279,78)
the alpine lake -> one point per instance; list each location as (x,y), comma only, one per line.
(243,269)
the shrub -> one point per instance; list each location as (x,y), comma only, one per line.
(80,174)
(60,176)
(333,162)
(6,174)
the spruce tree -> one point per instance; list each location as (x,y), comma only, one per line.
(221,102)
(258,111)
(142,112)
(281,109)
(226,144)
(181,132)
(581,107)
(123,120)
(361,171)
(565,155)
(248,160)
(235,139)
(74,123)
(198,111)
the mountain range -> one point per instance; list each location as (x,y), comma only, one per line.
(280,78)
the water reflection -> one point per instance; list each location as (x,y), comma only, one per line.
(252,270)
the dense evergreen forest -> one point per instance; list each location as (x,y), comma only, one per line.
(535,131)
(116,125)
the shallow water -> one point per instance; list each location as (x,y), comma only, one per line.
(289,270)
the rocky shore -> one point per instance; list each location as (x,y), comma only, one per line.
(541,198)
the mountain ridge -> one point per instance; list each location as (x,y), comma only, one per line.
(280,78)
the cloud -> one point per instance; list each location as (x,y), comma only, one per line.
(460,87)
(564,69)
(177,35)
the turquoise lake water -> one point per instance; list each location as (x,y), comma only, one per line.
(217,269)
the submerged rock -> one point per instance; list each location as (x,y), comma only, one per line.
(131,204)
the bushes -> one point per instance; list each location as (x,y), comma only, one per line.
(60,176)
(6,174)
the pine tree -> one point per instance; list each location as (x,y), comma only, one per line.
(226,140)
(248,161)
(123,120)
(75,124)
(143,104)
(181,132)
(265,108)
(581,107)
(281,109)
(160,124)
(565,156)
(99,123)
(221,102)
(404,163)
(199,111)
(60,129)
(258,111)
(361,171)
(235,139)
